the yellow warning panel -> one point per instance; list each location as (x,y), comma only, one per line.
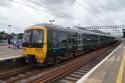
(121,69)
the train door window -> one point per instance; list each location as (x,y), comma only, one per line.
(78,38)
(62,40)
(75,39)
(84,38)
(69,39)
(81,39)
(54,40)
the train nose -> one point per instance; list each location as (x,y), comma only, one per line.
(34,54)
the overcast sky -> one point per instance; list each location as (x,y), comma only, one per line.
(23,13)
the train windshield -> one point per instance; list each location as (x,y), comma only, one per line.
(27,37)
(33,38)
(37,36)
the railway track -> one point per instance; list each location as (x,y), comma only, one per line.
(74,76)
(11,73)
(56,72)
(28,72)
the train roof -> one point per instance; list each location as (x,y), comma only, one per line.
(57,27)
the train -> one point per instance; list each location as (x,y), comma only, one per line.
(50,44)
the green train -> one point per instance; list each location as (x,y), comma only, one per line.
(50,44)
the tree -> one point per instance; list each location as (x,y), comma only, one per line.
(2,35)
(20,36)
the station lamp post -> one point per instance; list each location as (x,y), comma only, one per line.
(9,34)
(9,28)
(51,21)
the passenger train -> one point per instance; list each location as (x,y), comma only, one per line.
(49,44)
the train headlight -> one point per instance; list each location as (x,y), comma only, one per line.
(40,60)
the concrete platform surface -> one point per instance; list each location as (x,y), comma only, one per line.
(110,70)
(8,53)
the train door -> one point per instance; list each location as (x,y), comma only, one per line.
(80,42)
(98,38)
(85,42)
(54,41)
(62,37)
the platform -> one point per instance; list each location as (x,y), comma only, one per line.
(9,53)
(110,70)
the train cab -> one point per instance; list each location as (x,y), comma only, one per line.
(35,44)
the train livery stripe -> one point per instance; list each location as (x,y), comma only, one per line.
(121,69)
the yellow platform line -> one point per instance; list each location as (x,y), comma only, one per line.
(121,69)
